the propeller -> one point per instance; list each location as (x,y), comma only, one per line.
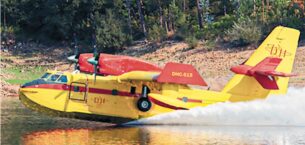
(74,58)
(94,59)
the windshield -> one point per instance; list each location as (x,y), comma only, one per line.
(63,79)
(46,75)
(53,77)
(48,78)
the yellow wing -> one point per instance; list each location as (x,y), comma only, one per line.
(139,76)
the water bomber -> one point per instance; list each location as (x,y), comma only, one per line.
(119,89)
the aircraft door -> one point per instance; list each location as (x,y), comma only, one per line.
(78,91)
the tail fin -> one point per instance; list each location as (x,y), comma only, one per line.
(269,67)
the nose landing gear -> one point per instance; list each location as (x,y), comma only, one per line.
(143,103)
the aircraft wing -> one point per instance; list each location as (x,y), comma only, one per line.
(138,76)
(174,73)
(275,73)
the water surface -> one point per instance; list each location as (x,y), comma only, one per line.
(22,126)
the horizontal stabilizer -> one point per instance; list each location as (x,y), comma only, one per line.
(264,72)
(268,64)
(180,74)
(275,73)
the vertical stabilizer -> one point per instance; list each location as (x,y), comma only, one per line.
(281,44)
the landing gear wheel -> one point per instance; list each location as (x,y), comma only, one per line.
(143,104)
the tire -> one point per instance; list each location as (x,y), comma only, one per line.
(144,104)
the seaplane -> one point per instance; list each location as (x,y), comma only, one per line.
(119,89)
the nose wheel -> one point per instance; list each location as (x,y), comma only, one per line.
(144,104)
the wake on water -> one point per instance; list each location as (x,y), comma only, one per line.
(280,110)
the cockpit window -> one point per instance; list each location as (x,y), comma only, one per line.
(46,75)
(63,79)
(53,77)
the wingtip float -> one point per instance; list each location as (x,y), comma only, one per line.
(124,89)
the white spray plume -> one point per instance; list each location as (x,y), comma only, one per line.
(282,110)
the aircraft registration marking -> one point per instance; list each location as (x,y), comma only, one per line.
(98,100)
(182,74)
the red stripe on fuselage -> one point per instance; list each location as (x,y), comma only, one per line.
(102,91)
(51,86)
(91,90)
(109,92)
(165,105)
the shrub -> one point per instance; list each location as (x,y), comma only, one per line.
(156,33)
(192,41)
(218,27)
(189,35)
(244,31)
(109,33)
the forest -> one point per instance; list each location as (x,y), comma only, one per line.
(119,23)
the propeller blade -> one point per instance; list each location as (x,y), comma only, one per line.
(73,58)
(76,66)
(93,61)
(76,51)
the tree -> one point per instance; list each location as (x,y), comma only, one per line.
(129,16)
(199,13)
(120,21)
(139,5)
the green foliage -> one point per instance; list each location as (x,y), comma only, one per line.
(192,41)
(117,23)
(210,45)
(156,34)
(109,32)
(22,75)
(277,12)
(245,31)
(217,28)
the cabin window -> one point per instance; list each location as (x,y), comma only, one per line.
(46,75)
(133,90)
(53,77)
(76,88)
(114,92)
(63,79)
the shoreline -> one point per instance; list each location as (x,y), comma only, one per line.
(214,66)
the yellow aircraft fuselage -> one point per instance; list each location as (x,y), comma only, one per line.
(110,99)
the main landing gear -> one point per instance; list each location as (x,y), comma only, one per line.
(143,103)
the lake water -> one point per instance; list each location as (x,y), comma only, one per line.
(274,121)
